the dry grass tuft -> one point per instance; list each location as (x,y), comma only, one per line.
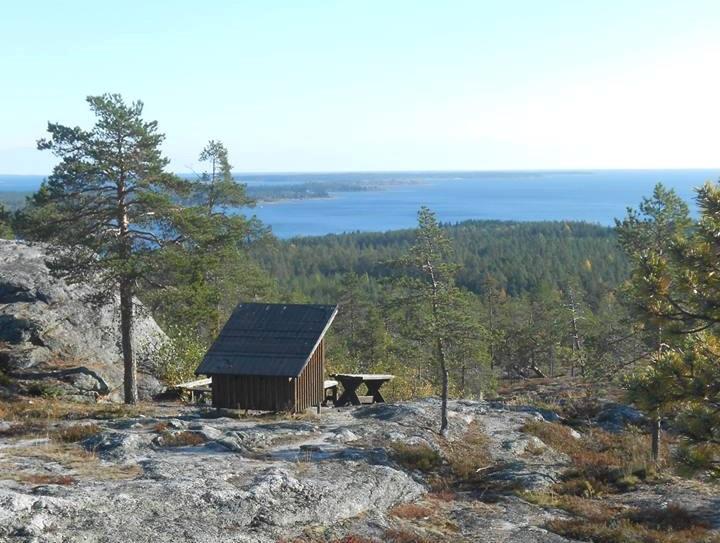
(25,428)
(181,439)
(442,495)
(411,511)
(626,531)
(468,456)
(48,409)
(41,479)
(599,522)
(346,539)
(590,509)
(18,463)
(602,462)
(75,433)
(406,536)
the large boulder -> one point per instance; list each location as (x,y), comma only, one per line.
(52,339)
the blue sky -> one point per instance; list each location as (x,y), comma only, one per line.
(376,85)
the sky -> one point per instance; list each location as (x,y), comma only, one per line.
(321,85)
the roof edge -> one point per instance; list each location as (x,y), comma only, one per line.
(322,336)
(312,352)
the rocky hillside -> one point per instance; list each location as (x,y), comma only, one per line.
(53,341)
(369,474)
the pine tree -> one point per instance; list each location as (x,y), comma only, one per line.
(675,287)
(108,207)
(441,320)
(211,271)
(217,187)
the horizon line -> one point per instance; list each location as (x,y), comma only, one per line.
(392,171)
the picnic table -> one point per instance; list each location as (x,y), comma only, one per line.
(352,381)
(197,389)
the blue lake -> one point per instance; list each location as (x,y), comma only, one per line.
(593,196)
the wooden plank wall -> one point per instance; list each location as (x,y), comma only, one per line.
(273,393)
(309,386)
(252,392)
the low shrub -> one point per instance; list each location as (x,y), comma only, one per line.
(672,517)
(411,511)
(44,390)
(416,457)
(181,439)
(5,381)
(599,523)
(42,479)
(406,536)
(468,456)
(693,459)
(76,432)
(160,427)
(602,462)
(626,531)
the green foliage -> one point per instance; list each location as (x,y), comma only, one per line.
(45,390)
(516,279)
(420,457)
(108,207)
(6,230)
(208,274)
(119,219)
(5,381)
(675,294)
(432,314)
(178,358)
(518,257)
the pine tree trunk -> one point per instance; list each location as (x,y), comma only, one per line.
(655,435)
(445,386)
(126,333)
(126,294)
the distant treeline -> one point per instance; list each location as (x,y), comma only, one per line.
(13,200)
(301,191)
(520,256)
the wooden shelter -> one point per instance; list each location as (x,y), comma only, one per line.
(270,357)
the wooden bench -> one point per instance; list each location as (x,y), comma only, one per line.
(330,391)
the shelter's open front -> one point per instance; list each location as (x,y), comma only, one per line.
(270,357)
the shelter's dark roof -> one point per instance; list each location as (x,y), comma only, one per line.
(268,339)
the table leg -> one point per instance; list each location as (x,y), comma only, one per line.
(374,391)
(349,394)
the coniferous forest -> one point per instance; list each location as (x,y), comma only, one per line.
(360,272)
(449,309)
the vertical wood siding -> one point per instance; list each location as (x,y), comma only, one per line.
(309,386)
(273,393)
(252,392)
